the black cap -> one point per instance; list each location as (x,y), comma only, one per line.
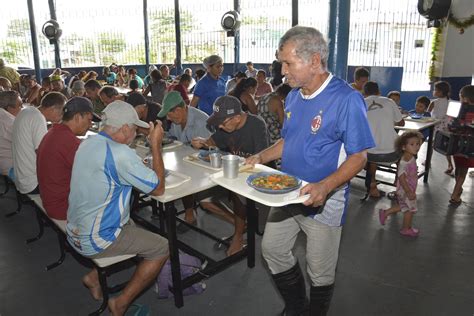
(78,105)
(136,99)
(223,108)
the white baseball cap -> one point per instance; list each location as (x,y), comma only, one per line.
(119,113)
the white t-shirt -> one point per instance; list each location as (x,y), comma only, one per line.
(28,131)
(382,114)
(6,126)
(440,107)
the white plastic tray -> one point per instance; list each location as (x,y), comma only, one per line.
(173,145)
(175,179)
(239,185)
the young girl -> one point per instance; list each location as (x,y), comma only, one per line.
(408,144)
(438,109)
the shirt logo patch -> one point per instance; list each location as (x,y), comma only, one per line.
(316,123)
(288,115)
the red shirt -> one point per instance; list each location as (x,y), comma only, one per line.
(182,90)
(55,157)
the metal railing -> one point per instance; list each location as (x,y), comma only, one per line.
(383,33)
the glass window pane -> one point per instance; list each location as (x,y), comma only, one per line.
(201,31)
(15,36)
(101,32)
(161,31)
(385,33)
(263,24)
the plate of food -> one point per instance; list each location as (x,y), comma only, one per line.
(273,182)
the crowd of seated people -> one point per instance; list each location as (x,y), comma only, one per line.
(243,116)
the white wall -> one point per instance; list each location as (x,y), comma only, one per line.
(459,50)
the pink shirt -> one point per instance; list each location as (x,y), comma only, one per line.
(410,170)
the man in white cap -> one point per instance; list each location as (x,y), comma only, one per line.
(104,172)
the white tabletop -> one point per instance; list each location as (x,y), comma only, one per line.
(239,185)
(200,181)
(417,124)
(123,90)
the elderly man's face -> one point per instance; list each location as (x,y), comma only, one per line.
(176,115)
(297,71)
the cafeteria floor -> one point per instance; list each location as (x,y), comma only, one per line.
(379,271)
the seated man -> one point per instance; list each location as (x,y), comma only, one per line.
(57,84)
(241,134)
(10,106)
(187,124)
(108,94)
(55,155)
(383,114)
(32,90)
(361,76)
(92,92)
(104,171)
(28,131)
(182,87)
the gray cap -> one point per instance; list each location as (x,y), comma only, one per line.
(119,113)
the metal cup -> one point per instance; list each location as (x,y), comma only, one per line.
(231,166)
(216,160)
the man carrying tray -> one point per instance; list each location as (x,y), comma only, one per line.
(322,113)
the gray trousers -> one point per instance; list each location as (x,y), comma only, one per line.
(322,246)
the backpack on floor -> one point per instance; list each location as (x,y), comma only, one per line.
(189,266)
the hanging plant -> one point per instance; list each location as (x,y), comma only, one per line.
(461,25)
(436,40)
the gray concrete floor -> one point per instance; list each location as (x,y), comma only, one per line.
(379,271)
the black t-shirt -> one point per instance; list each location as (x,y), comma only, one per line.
(246,141)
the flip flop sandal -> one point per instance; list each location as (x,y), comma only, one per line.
(392,195)
(455,202)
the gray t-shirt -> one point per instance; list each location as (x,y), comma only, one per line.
(195,126)
(244,142)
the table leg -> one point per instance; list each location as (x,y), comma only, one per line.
(429,153)
(251,228)
(174,254)
(161,217)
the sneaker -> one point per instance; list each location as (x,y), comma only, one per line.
(382,216)
(409,232)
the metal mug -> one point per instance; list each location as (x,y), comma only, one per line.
(215,160)
(231,166)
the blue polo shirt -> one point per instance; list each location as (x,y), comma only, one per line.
(315,130)
(103,175)
(208,90)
